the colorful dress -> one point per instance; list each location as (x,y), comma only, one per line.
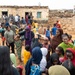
(18,48)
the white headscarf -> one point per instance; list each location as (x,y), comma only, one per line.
(43,62)
(44,51)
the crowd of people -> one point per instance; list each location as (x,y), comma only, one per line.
(47,51)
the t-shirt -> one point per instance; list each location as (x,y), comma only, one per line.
(9,35)
(16,18)
(54,31)
(47,33)
(26,56)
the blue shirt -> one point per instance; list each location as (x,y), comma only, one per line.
(54,31)
(47,33)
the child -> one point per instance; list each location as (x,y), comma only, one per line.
(60,52)
(34,30)
(43,62)
(32,66)
(54,30)
(65,44)
(69,60)
(26,54)
(48,33)
(18,44)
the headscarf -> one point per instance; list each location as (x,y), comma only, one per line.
(52,58)
(13,59)
(43,62)
(56,40)
(44,51)
(58,70)
(36,58)
(73,52)
(27,28)
(27,33)
(36,55)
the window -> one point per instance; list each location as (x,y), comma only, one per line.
(38,14)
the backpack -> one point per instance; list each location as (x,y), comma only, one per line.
(35,70)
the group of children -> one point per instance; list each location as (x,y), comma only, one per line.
(44,52)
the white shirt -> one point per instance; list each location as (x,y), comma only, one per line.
(16,18)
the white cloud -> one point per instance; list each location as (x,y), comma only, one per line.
(53,4)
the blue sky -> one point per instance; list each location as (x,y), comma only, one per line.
(53,4)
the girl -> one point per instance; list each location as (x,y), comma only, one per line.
(69,60)
(18,44)
(43,62)
(48,33)
(65,44)
(32,66)
(54,60)
(26,54)
(60,52)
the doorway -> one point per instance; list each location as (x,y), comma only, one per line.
(5,13)
(29,14)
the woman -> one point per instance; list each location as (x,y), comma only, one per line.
(66,44)
(69,60)
(56,40)
(9,35)
(5,62)
(33,62)
(58,70)
(54,60)
(28,35)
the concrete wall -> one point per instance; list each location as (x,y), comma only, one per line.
(21,12)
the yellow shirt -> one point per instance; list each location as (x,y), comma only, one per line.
(26,56)
(34,30)
(35,24)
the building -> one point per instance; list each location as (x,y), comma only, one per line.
(38,12)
